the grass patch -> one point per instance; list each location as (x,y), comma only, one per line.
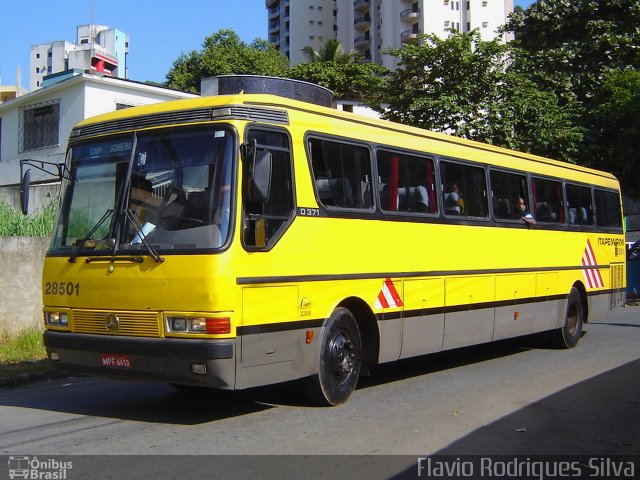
(37,224)
(23,346)
(23,358)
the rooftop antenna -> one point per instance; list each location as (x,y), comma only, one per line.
(92,29)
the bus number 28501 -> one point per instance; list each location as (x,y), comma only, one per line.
(61,288)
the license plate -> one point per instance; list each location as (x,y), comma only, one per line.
(113,360)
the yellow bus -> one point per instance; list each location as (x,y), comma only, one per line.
(239,240)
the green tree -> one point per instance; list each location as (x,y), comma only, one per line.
(342,73)
(617,140)
(471,88)
(224,53)
(577,48)
(576,42)
(332,51)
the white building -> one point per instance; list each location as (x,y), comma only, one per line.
(98,49)
(37,125)
(370,26)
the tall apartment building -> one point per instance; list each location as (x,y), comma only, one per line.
(371,26)
(98,49)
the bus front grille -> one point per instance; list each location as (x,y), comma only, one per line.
(135,324)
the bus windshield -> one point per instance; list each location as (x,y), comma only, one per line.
(167,188)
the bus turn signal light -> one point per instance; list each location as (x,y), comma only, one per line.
(218,325)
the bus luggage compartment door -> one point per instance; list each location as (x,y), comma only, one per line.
(268,312)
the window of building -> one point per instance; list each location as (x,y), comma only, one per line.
(39,125)
(407,183)
(37,55)
(608,213)
(464,190)
(579,204)
(548,203)
(506,189)
(341,173)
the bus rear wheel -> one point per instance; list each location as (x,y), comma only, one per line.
(571,331)
(340,361)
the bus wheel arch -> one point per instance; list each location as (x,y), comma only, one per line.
(368,326)
(585,303)
(569,334)
(348,343)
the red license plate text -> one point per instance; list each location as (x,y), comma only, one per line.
(113,360)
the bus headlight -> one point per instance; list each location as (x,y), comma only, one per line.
(206,325)
(59,319)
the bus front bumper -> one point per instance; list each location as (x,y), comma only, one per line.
(208,363)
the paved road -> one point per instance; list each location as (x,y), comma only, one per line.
(514,397)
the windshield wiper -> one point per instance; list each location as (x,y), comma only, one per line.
(87,237)
(142,236)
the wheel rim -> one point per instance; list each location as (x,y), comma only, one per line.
(342,357)
(572,319)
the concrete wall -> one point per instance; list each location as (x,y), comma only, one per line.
(39,196)
(21,260)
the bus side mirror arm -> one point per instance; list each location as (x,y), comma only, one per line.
(25,177)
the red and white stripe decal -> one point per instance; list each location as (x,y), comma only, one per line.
(591,275)
(388,296)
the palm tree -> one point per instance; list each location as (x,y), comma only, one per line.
(332,51)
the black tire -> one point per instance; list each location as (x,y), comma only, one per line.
(571,331)
(340,361)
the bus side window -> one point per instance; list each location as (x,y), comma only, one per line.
(548,200)
(608,211)
(580,211)
(407,182)
(465,190)
(341,173)
(506,189)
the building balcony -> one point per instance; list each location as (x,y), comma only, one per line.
(361,5)
(410,15)
(274,29)
(362,42)
(409,36)
(362,23)
(271,3)
(275,15)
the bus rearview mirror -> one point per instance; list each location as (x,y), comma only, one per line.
(24,192)
(260,181)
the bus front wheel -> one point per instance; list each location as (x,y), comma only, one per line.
(340,360)
(571,331)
